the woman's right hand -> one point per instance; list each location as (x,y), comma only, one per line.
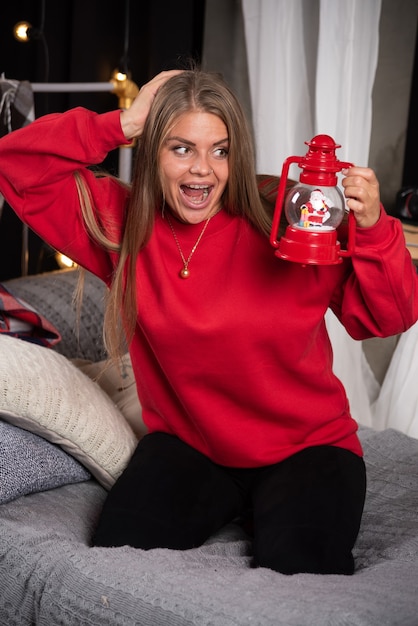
(133,119)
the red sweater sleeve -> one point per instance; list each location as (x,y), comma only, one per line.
(37,165)
(380,296)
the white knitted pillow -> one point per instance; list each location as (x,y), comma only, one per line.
(42,392)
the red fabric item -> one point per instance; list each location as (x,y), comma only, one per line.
(235,360)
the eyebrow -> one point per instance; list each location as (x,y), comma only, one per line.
(191,143)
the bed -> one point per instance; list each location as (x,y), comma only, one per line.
(51,575)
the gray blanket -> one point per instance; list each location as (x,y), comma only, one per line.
(49,575)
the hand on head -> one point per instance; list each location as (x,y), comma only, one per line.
(133,119)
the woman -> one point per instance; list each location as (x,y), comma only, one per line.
(228,343)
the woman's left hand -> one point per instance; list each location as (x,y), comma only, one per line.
(361,189)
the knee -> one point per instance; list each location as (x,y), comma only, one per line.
(304,550)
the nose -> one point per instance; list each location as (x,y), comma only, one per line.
(200,166)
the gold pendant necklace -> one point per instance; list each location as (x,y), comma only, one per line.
(185,272)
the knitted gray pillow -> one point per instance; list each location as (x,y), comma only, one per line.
(29,463)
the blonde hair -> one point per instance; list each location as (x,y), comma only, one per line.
(189,91)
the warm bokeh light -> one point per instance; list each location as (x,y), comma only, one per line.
(20,31)
(120,76)
(64,261)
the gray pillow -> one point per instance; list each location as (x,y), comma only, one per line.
(29,463)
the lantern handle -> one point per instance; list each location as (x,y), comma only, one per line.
(351,235)
(351,221)
(279,199)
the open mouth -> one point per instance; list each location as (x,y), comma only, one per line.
(196,193)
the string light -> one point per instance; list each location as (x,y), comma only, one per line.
(21,31)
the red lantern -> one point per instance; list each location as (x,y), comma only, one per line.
(314,208)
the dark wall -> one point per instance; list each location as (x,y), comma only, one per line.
(410,173)
(85,42)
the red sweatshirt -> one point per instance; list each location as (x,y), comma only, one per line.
(235,360)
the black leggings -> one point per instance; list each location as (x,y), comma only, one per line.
(305,511)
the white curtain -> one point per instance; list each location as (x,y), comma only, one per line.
(311,69)
(278,56)
(397,403)
(347,61)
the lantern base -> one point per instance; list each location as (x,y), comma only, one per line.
(309,247)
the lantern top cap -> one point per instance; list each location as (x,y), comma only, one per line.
(323,141)
(320,163)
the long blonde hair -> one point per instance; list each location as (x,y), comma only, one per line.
(188,91)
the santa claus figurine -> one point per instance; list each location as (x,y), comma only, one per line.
(315,212)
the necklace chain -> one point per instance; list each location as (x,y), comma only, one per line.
(185,272)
